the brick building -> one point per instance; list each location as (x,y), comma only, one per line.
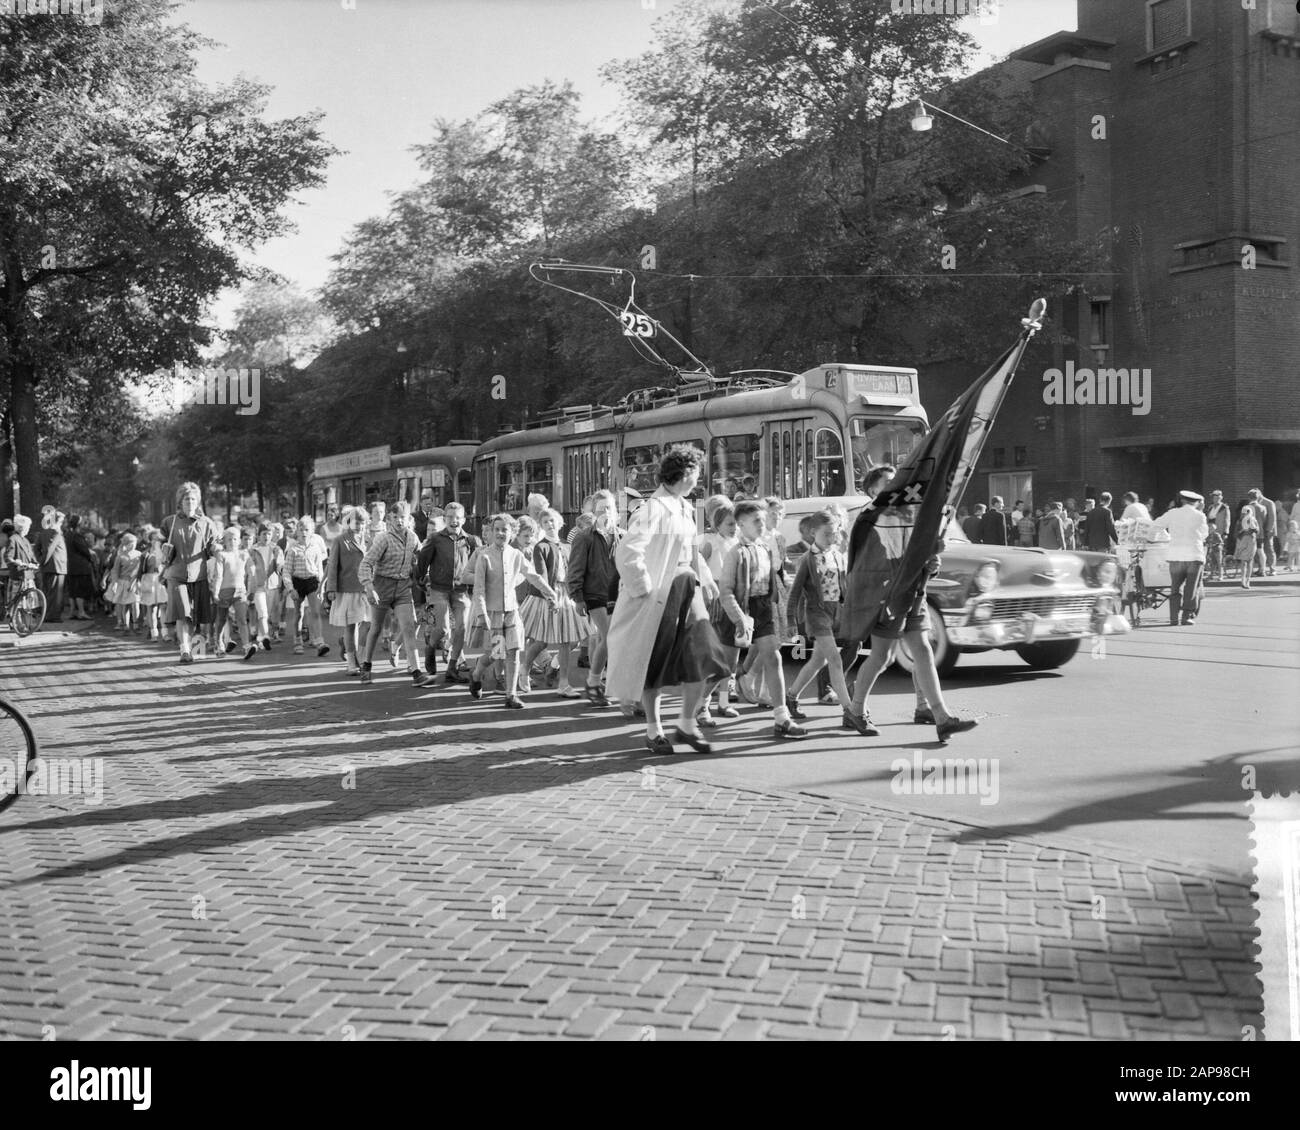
(1172,126)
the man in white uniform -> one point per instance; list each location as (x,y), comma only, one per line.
(1188,530)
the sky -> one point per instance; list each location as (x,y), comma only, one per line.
(383,71)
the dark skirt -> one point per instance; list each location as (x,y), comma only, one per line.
(80,586)
(686,648)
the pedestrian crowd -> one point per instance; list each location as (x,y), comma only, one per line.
(604,614)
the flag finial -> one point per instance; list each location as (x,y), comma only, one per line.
(1036,313)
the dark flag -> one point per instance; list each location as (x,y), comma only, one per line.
(911,514)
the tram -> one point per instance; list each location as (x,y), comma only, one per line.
(375,474)
(810,439)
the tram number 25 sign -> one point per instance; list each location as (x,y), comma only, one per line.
(637,325)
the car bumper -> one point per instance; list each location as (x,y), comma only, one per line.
(1028,629)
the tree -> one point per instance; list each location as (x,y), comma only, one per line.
(127,191)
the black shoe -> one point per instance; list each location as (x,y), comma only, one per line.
(792,705)
(596,696)
(430,665)
(475,688)
(420,679)
(230,647)
(322,651)
(514,702)
(923,717)
(659,745)
(699,745)
(946,729)
(790,730)
(705,722)
(452,676)
(365,673)
(859,722)
(250,651)
(638,711)
(1190,621)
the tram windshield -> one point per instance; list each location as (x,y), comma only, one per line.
(875,442)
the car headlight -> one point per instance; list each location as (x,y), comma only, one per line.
(986,577)
(982,612)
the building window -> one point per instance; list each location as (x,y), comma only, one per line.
(999,457)
(1168,22)
(1100,323)
(1022,456)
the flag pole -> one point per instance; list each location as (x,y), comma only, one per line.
(1030,325)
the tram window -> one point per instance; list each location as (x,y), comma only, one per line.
(881,441)
(510,487)
(641,468)
(830,464)
(465,488)
(538,477)
(437,481)
(787,480)
(733,468)
(799,491)
(350,490)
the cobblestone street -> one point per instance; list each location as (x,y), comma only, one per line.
(285,857)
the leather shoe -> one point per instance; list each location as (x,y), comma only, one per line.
(699,745)
(659,745)
(923,717)
(790,730)
(859,722)
(954,726)
(514,703)
(792,705)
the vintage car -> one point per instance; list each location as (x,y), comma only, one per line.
(1039,603)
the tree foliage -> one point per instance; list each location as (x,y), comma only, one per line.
(127,193)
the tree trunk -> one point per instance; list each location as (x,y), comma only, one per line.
(8,506)
(261,501)
(228,504)
(22,411)
(302,496)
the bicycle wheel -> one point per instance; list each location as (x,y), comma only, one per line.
(28,612)
(15,734)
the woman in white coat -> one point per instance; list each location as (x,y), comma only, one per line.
(660,635)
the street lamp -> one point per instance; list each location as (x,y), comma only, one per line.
(922,122)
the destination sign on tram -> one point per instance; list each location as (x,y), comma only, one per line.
(871,383)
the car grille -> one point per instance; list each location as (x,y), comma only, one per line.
(1013,608)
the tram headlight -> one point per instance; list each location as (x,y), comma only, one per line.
(986,577)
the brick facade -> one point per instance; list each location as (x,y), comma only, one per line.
(1198,161)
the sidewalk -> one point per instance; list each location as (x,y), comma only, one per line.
(280,865)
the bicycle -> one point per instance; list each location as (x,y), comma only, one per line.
(9,712)
(24,606)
